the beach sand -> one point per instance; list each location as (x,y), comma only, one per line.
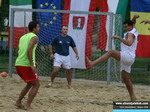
(87,96)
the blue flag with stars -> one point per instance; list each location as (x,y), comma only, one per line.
(50,23)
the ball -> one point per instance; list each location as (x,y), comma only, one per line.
(4,74)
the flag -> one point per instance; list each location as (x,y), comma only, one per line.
(142,8)
(0,2)
(116,7)
(50,23)
(20,21)
(80,28)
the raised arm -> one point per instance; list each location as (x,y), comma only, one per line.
(134,18)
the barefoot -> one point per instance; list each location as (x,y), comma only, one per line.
(19,105)
(89,62)
(70,87)
(27,108)
(50,84)
(133,98)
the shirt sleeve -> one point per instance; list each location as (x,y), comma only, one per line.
(134,32)
(72,43)
(54,41)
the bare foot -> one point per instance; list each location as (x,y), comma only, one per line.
(50,84)
(19,105)
(27,108)
(89,62)
(133,98)
(70,87)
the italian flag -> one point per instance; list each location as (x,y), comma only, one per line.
(116,7)
(0,2)
(21,20)
(80,28)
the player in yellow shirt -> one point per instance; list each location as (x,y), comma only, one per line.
(25,64)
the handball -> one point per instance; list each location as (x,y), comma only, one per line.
(4,74)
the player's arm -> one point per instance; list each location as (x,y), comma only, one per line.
(53,43)
(73,45)
(134,18)
(17,49)
(32,43)
(76,52)
(129,41)
(51,51)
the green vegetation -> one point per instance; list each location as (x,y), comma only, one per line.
(141,63)
(3,61)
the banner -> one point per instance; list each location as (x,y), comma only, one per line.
(50,23)
(116,7)
(142,8)
(0,2)
(21,20)
(80,28)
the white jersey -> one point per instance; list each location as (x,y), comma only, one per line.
(130,49)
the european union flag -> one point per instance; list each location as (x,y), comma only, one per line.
(50,23)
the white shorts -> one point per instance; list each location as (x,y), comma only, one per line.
(62,61)
(126,61)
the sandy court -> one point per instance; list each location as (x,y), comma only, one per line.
(87,96)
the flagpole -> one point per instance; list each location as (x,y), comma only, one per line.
(11,43)
(109,48)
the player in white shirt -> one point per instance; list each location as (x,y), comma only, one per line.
(126,56)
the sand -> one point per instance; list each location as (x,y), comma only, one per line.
(87,96)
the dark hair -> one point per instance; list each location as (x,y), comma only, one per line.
(32,25)
(129,22)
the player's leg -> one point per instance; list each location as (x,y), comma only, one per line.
(22,94)
(35,86)
(23,73)
(126,62)
(69,78)
(112,53)
(57,65)
(29,76)
(128,83)
(54,74)
(67,65)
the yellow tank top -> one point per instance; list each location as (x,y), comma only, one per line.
(22,59)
